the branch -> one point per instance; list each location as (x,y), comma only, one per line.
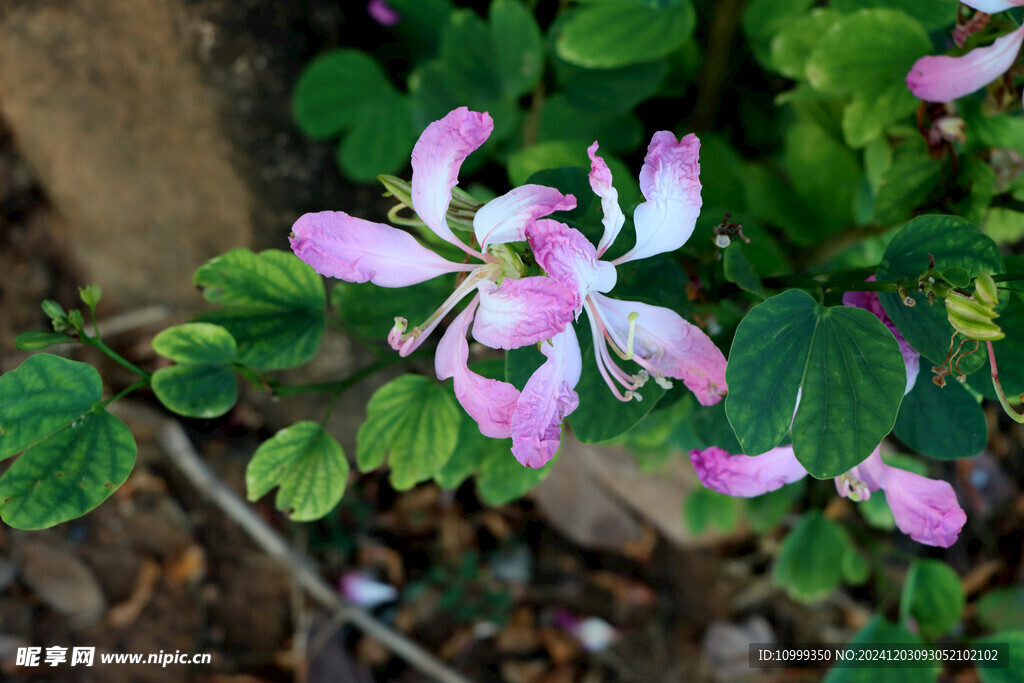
(180,451)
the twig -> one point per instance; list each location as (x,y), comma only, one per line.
(180,451)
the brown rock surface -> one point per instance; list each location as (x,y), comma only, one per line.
(107,107)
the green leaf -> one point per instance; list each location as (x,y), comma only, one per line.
(600,416)
(954,243)
(856,569)
(825,175)
(466,51)
(41,339)
(381,139)
(199,390)
(876,512)
(67,473)
(333,88)
(613,34)
(559,120)
(847,364)
(1009,355)
(793,45)
(931,14)
(44,394)
(905,185)
(867,51)
(1005,226)
(878,630)
(738,269)
(810,561)
(705,508)
(766,511)
(610,91)
(307,464)
(273,305)
(870,113)
(762,19)
(1001,609)
(196,343)
(1015,654)
(371,310)
(562,153)
(933,596)
(518,47)
(944,423)
(413,422)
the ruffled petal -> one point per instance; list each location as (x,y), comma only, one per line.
(488,401)
(943,78)
(666,345)
(522,312)
(869,302)
(670,181)
(351,249)
(925,509)
(505,219)
(383,13)
(568,256)
(548,397)
(746,476)
(992,6)
(601,183)
(436,160)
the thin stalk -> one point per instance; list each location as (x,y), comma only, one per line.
(141,384)
(338,386)
(1014,415)
(113,355)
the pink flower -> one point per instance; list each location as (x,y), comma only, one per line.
(925,509)
(657,339)
(383,13)
(510,311)
(359,589)
(943,78)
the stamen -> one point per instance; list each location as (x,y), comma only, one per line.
(663,382)
(632,335)
(605,365)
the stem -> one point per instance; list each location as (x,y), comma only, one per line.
(141,384)
(96,342)
(1017,417)
(1008,277)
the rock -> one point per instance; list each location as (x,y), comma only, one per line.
(60,579)
(107,107)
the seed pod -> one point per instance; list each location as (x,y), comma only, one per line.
(971,318)
(985,290)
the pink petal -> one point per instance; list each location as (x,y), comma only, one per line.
(522,312)
(670,181)
(351,249)
(925,509)
(505,219)
(666,345)
(360,589)
(601,183)
(943,78)
(548,397)
(746,476)
(383,13)
(488,401)
(869,302)
(992,6)
(436,160)
(568,256)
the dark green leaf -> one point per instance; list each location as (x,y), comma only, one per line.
(855,568)
(945,423)
(38,340)
(380,141)
(810,561)
(196,390)
(614,34)
(44,394)
(932,596)
(825,175)
(766,511)
(848,365)
(954,243)
(762,19)
(333,88)
(413,422)
(870,113)
(932,14)
(738,269)
(307,464)
(793,45)
(705,508)
(67,473)
(880,631)
(559,120)
(466,51)
(614,90)
(273,305)
(517,45)
(1014,640)
(904,186)
(372,310)
(1001,609)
